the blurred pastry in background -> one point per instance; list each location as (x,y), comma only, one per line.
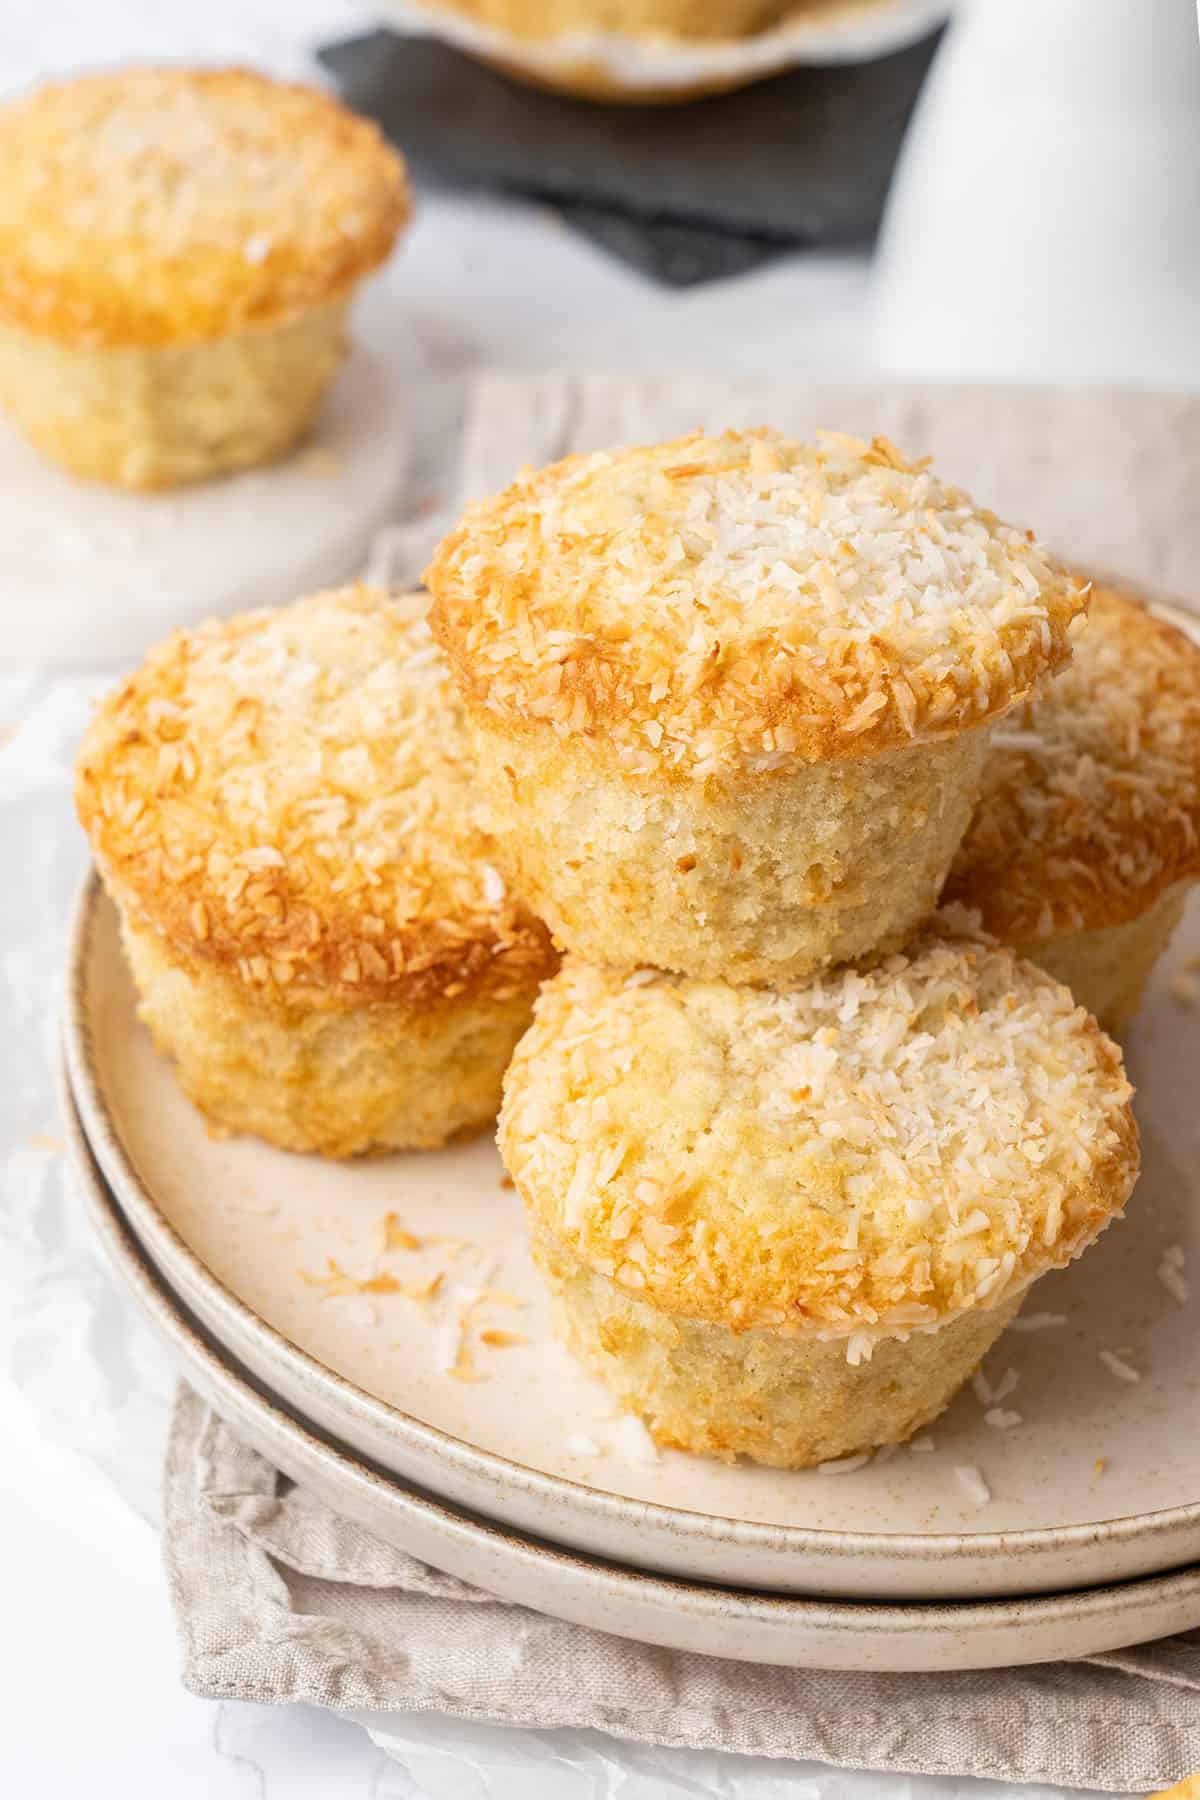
(178,252)
(281,807)
(1087,836)
(664,51)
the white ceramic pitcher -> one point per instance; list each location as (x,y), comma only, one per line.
(1044,222)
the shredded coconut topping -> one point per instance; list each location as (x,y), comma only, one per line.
(158,205)
(746,600)
(291,793)
(952,1074)
(1091,793)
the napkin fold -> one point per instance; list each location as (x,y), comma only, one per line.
(277,1598)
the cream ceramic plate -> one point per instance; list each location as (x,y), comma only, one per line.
(750,1627)
(1100,1480)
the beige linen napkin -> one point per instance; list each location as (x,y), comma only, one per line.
(276,1598)
(1108,477)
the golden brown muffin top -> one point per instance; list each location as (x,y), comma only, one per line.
(874,1152)
(744,601)
(288,795)
(1091,792)
(157,206)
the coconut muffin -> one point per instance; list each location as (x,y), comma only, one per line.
(730,694)
(281,806)
(1087,836)
(178,253)
(809,1250)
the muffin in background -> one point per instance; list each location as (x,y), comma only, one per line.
(730,694)
(663,52)
(809,1250)
(685,19)
(1086,841)
(178,253)
(281,807)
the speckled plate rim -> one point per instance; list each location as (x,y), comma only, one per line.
(783,1631)
(496,1474)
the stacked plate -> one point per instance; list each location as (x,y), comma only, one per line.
(1054,1511)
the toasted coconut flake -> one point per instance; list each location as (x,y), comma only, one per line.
(463,1367)
(334,1282)
(811,1118)
(423,1290)
(337,1284)
(396,1236)
(380,1283)
(1091,792)
(791,599)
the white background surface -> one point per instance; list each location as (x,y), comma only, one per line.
(87,1666)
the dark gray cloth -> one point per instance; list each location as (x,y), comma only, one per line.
(686,193)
